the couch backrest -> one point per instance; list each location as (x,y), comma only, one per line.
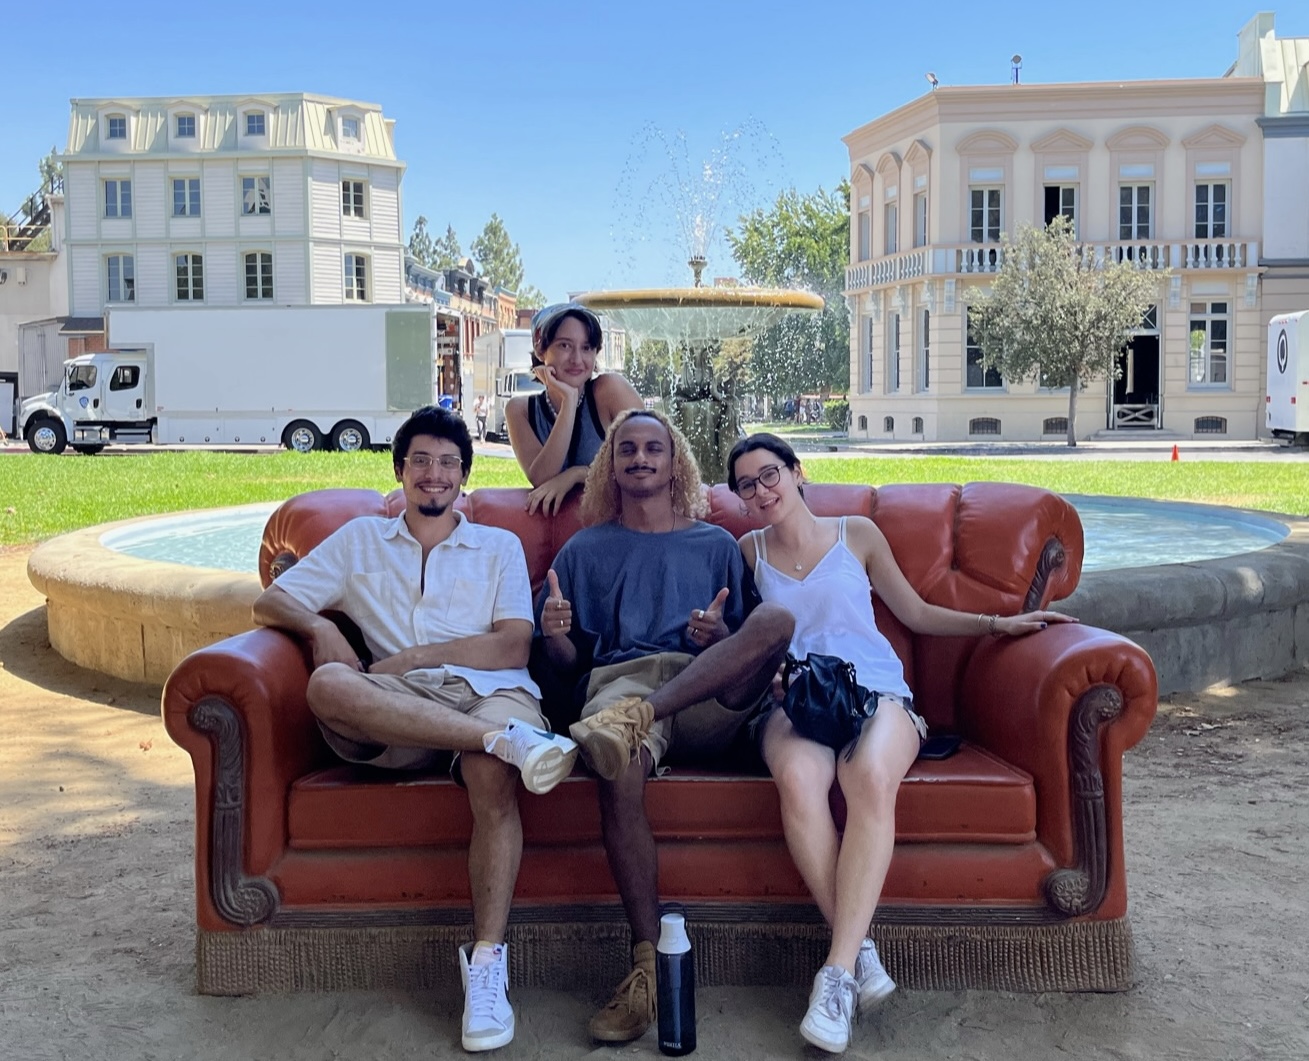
(983,547)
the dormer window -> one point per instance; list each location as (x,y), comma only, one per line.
(350,128)
(117,127)
(256,124)
(186,126)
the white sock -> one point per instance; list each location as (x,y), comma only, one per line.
(485,953)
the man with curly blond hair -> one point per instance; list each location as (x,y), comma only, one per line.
(660,607)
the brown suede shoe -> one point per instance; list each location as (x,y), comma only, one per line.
(632,1009)
(611,737)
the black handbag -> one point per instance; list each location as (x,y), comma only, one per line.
(823,700)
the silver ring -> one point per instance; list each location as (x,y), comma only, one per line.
(699,613)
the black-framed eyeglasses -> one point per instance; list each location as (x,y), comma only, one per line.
(420,462)
(769,475)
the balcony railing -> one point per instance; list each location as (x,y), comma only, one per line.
(965,259)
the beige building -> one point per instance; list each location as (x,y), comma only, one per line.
(280,199)
(1168,174)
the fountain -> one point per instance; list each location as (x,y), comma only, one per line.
(694,321)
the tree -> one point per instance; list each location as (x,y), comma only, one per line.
(530,297)
(499,258)
(52,172)
(803,241)
(1059,312)
(420,243)
(446,252)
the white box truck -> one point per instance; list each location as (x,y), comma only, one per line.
(502,369)
(1287,403)
(305,377)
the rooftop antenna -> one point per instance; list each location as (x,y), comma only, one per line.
(1017,61)
(931,80)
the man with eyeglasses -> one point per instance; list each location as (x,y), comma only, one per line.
(445,609)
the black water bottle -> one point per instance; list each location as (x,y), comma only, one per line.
(675,977)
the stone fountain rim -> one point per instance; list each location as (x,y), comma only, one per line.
(672,297)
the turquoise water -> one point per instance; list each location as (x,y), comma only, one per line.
(1120,532)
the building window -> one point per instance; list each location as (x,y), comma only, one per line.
(186,196)
(117,127)
(186,126)
(892,353)
(1211,210)
(984,425)
(1208,354)
(258,275)
(1061,201)
(891,219)
(865,235)
(118,198)
(350,128)
(356,278)
(888,424)
(1134,220)
(978,377)
(920,219)
(1211,425)
(918,425)
(256,124)
(352,198)
(925,350)
(255,197)
(120,270)
(866,345)
(1054,425)
(984,214)
(190,278)
(863,423)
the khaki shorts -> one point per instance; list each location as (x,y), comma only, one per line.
(495,709)
(702,734)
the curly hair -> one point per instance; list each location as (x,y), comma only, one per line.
(601,501)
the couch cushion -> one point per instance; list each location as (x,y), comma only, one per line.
(972,796)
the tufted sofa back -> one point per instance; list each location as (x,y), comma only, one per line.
(982,547)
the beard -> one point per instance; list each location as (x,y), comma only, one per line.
(432,509)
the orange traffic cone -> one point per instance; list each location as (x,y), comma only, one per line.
(1176,455)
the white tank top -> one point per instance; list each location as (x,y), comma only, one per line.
(833,611)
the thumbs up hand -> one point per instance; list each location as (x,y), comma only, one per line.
(706,626)
(557,615)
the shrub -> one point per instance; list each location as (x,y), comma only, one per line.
(838,415)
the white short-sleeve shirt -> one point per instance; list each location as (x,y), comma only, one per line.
(371,569)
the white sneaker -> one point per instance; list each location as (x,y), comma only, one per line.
(831,1011)
(874,984)
(488,1017)
(544,759)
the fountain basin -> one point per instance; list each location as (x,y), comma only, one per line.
(131,617)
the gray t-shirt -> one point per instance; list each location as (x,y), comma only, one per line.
(632,593)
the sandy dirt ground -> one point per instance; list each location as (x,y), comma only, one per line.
(96,905)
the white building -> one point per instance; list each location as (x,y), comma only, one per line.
(282,199)
(1204,178)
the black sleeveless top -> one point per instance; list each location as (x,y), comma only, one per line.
(588,432)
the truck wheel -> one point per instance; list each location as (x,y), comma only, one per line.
(46,436)
(89,449)
(302,436)
(350,436)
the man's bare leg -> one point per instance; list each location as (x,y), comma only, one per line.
(360,711)
(496,847)
(736,671)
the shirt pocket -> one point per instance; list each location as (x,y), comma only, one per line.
(471,603)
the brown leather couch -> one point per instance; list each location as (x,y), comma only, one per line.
(1008,870)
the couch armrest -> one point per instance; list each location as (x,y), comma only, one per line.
(1064,705)
(238,708)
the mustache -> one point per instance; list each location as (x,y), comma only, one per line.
(638,468)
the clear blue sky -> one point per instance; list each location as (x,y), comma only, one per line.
(545,112)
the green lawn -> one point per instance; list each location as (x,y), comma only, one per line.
(44,496)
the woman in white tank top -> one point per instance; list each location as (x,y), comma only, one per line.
(821,570)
